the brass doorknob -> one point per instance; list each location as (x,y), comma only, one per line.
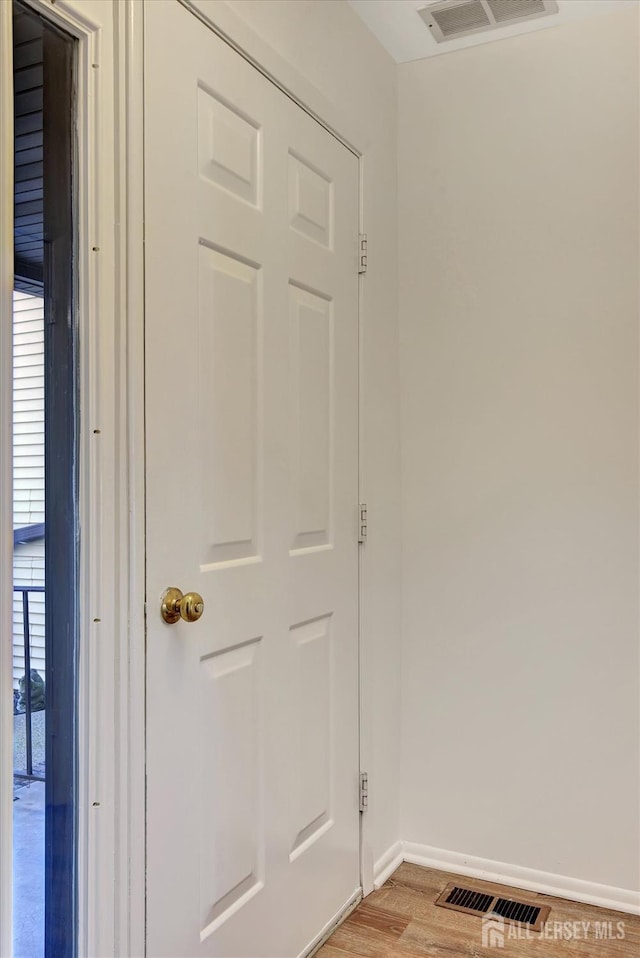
(176,606)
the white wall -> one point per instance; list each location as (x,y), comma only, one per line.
(331,47)
(518,222)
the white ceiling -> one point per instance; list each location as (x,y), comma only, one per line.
(405,35)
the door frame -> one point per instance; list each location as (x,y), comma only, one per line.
(109,276)
(109,317)
(110,302)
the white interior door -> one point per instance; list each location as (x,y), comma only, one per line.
(251,352)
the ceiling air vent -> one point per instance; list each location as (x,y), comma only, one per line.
(451,19)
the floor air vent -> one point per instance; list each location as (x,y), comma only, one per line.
(471,901)
(465,899)
(450,19)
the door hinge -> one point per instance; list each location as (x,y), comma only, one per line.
(362,253)
(362,522)
(364,791)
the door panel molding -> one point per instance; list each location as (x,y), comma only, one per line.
(347,128)
(241,38)
(265,688)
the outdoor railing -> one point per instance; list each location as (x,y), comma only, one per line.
(25,590)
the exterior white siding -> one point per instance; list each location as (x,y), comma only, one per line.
(28,471)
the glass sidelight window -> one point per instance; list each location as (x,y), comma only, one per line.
(44,637)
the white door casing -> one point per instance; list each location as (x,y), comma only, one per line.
(109,222)
(252,487)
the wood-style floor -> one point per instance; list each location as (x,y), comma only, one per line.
(400,920)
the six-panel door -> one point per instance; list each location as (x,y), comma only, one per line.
(251,383)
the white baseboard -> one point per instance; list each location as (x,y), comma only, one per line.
(546,883)
(387,864)
(485,869)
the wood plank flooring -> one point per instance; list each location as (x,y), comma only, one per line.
(400,920)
